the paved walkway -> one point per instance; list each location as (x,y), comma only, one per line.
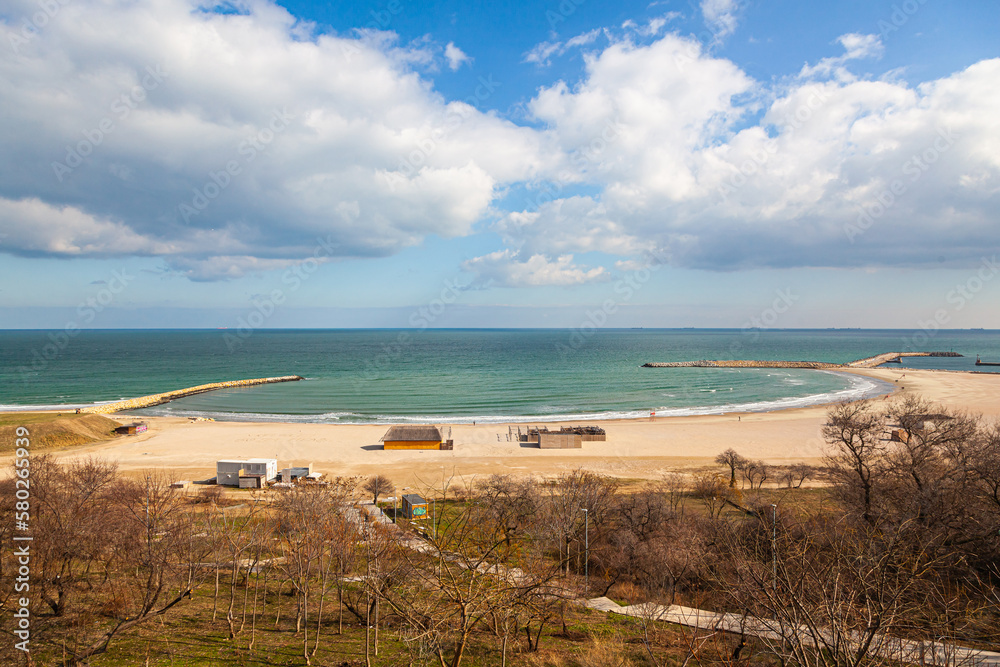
(936,654)
(914,652)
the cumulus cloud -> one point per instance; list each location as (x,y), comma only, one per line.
(836,172)
(238,142)
(456,57)
(506,268)
(238,138)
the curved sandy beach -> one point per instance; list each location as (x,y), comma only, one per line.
(634,448)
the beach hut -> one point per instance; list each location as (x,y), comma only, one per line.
(415,436)
(414,506)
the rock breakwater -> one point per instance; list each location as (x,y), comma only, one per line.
(158,399)
(867,362)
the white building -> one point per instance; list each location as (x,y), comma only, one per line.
(293,473)
(228,472)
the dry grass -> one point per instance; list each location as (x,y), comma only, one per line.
(52,430)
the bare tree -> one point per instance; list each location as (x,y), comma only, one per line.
(713,492)
(70,519)
(755,473)
(378,485)
(854,433)
(155,558)
(307,518)
(467,579)
(733,461)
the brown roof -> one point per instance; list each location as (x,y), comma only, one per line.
(412,433)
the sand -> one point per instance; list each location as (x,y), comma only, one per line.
(635,449)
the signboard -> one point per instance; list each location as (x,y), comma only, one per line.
(419,511)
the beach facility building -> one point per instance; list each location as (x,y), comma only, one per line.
(229,472)
(414,506)
(135,428)
(292,474)
(417,436)
(567,437)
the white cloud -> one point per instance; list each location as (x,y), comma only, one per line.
(658,129)
(720,16)
(283,144)
(196,135)
(856,47)
(455,56)
(542,54)
(506,268)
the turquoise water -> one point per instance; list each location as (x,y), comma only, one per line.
(361,376)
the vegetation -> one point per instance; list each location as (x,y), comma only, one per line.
(902,543)
(51,430)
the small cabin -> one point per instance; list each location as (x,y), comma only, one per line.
(414,506)
(415,436)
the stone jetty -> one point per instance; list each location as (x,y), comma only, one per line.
(867,362)
(157,399)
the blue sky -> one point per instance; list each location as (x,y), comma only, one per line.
(181,164)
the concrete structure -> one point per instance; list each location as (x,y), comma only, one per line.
(135,428)
(416,436)
(251,481)
(293,473)
(180,484)
(228,472)
(414,506)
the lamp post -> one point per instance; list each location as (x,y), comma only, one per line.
(586,547)
(774,547)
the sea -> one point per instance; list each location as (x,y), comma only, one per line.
(459,376)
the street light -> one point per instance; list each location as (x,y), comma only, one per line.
(586,542)
(774,547)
